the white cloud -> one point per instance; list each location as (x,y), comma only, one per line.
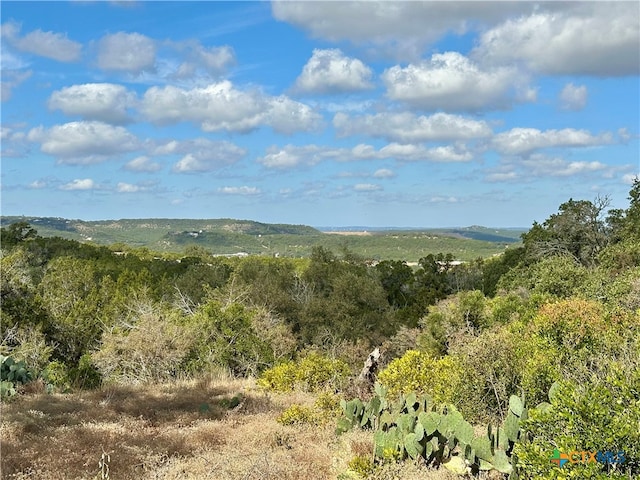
(143,164)
(366,187)
(384,173)
(212,60)
(407,127)
(128,188)
(106,102)
(452,82)
(10,80)
(38,184)
(540,165)
(79,184)
(220,106)
(83,143)
(124,187)
(330,71)
(412,152)
(244,190)
(523,141)
(399,29)
(573,97)
(45,44)
(584,38)
(449,153)
(207,155)
(501,177)
(629,178)
(127,52)
(543,166)
(196,58)
(292,156)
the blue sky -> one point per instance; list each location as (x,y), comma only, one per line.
(422,114)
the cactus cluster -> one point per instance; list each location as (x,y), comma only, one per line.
(12,374)
(416,427)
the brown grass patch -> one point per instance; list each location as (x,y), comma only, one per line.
(182,430)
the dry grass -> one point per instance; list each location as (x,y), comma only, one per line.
(182,430)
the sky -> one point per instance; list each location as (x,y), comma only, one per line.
(397,114)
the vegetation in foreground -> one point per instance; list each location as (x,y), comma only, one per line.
(491,368)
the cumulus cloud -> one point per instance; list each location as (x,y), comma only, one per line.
(497,177)
(573,97)
(124,187)
(94,101)
(523,141)
(540,165)
(14,72)
(220,106)
(44,44)
(408,127)
(143,164)
(213,60)
(244,190)
(79,184)
(206,155)
(83,143)
(586,38)
(399,29)
(10,80)
(384,173)
(330,71)
(413,152)
(292,156)
(37,184)
(127,52)
(367,187)
(452,82)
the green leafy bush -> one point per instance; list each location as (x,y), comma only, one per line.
(224,335)
(421,373)
(598,416)
(313,373)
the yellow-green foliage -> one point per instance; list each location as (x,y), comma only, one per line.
(328,404)
(279,378)
(362,465)
(299,415)
(421,373)
(313,373)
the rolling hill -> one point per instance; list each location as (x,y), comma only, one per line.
(230,236)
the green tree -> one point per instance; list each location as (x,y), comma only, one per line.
(578,229)
(15,233)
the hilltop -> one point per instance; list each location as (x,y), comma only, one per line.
(227,236)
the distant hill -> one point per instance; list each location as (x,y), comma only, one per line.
(229,236)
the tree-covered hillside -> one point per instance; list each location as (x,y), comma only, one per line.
(541,343)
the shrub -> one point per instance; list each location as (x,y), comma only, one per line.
(361,465)
(313,373)
(598,416)
(423,374)
(148,349)
(224,336)
(299,415)
(280,378)
(490,372)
